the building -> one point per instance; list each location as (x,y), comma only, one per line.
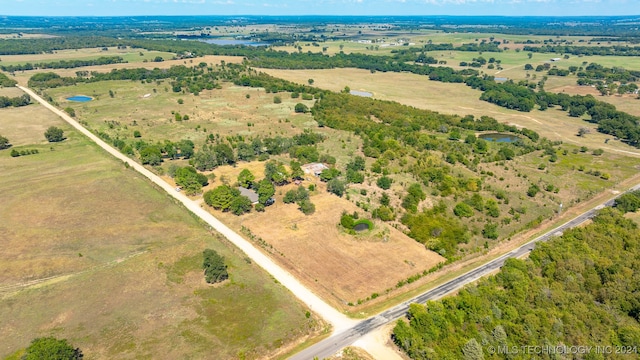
(252,195)
(314,168)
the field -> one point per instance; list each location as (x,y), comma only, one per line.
(225,112)
(95,254)
(342,268)
(129,54)
(136,62)
(420,92)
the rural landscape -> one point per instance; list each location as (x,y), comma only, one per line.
(339,187)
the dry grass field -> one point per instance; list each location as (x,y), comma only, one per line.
(93,253)
(342,268)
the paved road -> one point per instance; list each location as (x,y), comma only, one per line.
(347,337)
(338,320)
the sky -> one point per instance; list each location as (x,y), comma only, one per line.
(318,7)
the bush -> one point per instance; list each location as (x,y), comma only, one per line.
(54,134)
(136,134)
(463,210)
(277,100)
(533,190)
(384,213)
(490,231)
(301,108)
(307,207)
(51,348)
(347,221)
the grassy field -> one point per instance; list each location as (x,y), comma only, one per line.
(129,54)
(418,91)
(225,112)
(95,254)
(23,76)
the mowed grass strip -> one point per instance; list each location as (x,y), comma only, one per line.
(123,264)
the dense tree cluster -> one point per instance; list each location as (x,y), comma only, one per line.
(226,198)
(5,81)
(615,50)
(578,289)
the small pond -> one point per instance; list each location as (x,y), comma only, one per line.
(80,98)
(361,227)
(501,138)
(361,93)
(235,42)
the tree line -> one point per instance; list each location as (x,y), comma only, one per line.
(22,100)
(64,64)
(578,289)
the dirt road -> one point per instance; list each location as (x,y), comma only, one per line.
(338,320)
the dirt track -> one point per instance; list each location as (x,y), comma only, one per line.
(338,320)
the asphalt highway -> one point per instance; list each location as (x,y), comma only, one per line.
(338,341)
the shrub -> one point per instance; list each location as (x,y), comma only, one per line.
(463,210)
(307,207)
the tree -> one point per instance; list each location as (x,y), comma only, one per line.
(240,205)
(490,231)
(528,67)
(310,81)
(492,208)
(629,202)
(583,131)
(533,190)
(266,190)
(329,174)
(336,186)
(296,170)
(221,197)
(54,134)
(301,108)
(384,182)
(245,178)
(49,348)
(4,143)
(472,349)
(151,155)
(214,267)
